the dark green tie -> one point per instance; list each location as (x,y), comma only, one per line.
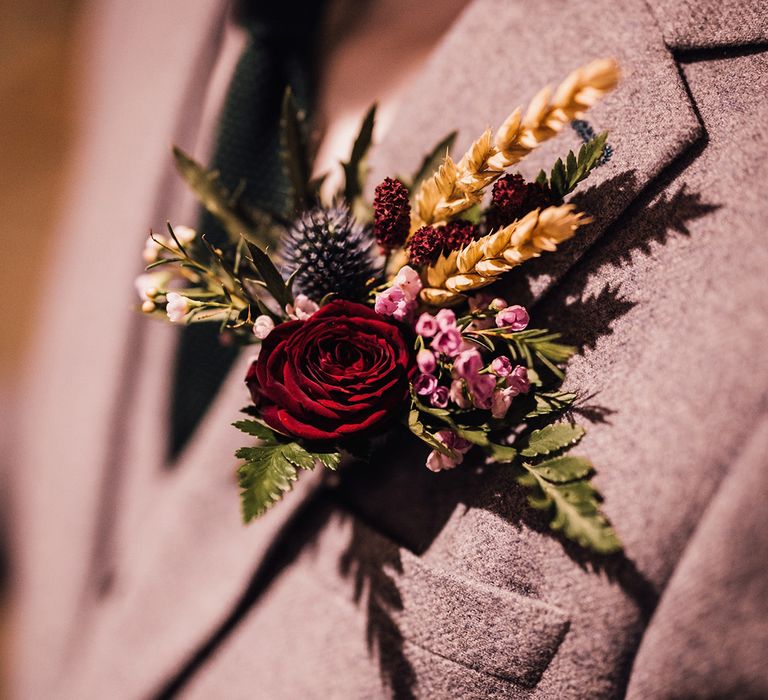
(279,53)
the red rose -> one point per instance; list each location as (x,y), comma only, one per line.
(340,373)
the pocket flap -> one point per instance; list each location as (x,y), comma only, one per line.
(482,627)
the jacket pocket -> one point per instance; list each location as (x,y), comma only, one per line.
(482,627)
(485,628)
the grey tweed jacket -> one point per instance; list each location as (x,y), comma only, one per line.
(134,580)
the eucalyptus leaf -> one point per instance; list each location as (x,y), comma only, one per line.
(354,170)
(253,223)
(270,275)
(295,153)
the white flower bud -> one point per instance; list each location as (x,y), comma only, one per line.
(184,234)
(263,326)
(302,308)
(177,307)
(151,251)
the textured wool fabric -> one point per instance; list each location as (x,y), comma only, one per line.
(389,580)
(710,632)
(692,24)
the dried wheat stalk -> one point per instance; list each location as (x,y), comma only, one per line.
(481,262)
(456,187)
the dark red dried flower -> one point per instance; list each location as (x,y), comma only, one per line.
(509,195)
(391,214)
(428,243)
(512,198)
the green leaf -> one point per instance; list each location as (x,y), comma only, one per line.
(564,177)
(219,201)
(552,438)
(270,470)
(575,511)
(270,275)
(256,429)
(420,431)
(354,170)
(295,152)
(433,159)
(477,436)
(551,402)
(330,460)
(503,453)
(561,470)
(265,477)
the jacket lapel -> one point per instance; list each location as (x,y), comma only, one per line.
(191,557)
(500,54)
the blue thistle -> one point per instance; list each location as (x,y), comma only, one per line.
(333,253)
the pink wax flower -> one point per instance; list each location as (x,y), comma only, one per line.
(439,397)
(458,395)
(468,363)
(446,319)
(501,366)
(518,380)
(437,461)
(426,361)
(502,400)
(514,317)
(425,384)
(409,281)
(481,388)
(427,326)
(448,341)
(395,303)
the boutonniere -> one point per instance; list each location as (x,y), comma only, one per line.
(363,315)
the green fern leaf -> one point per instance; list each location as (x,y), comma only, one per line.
(561,470)
(552,438)
(270,470)
(575,513)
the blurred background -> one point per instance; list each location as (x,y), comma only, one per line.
(36,123)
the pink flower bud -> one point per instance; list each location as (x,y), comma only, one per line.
(426,361)
(498,304)
(481,387)
(437,461)
(425,384)
(518,381)
(502,399)
(468,363)
(446,319)
(514,317)
(394,302)
(439,397)
(501,366)
(453,442)
(448,341)
(427,326)
(458,395)
(409,281)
